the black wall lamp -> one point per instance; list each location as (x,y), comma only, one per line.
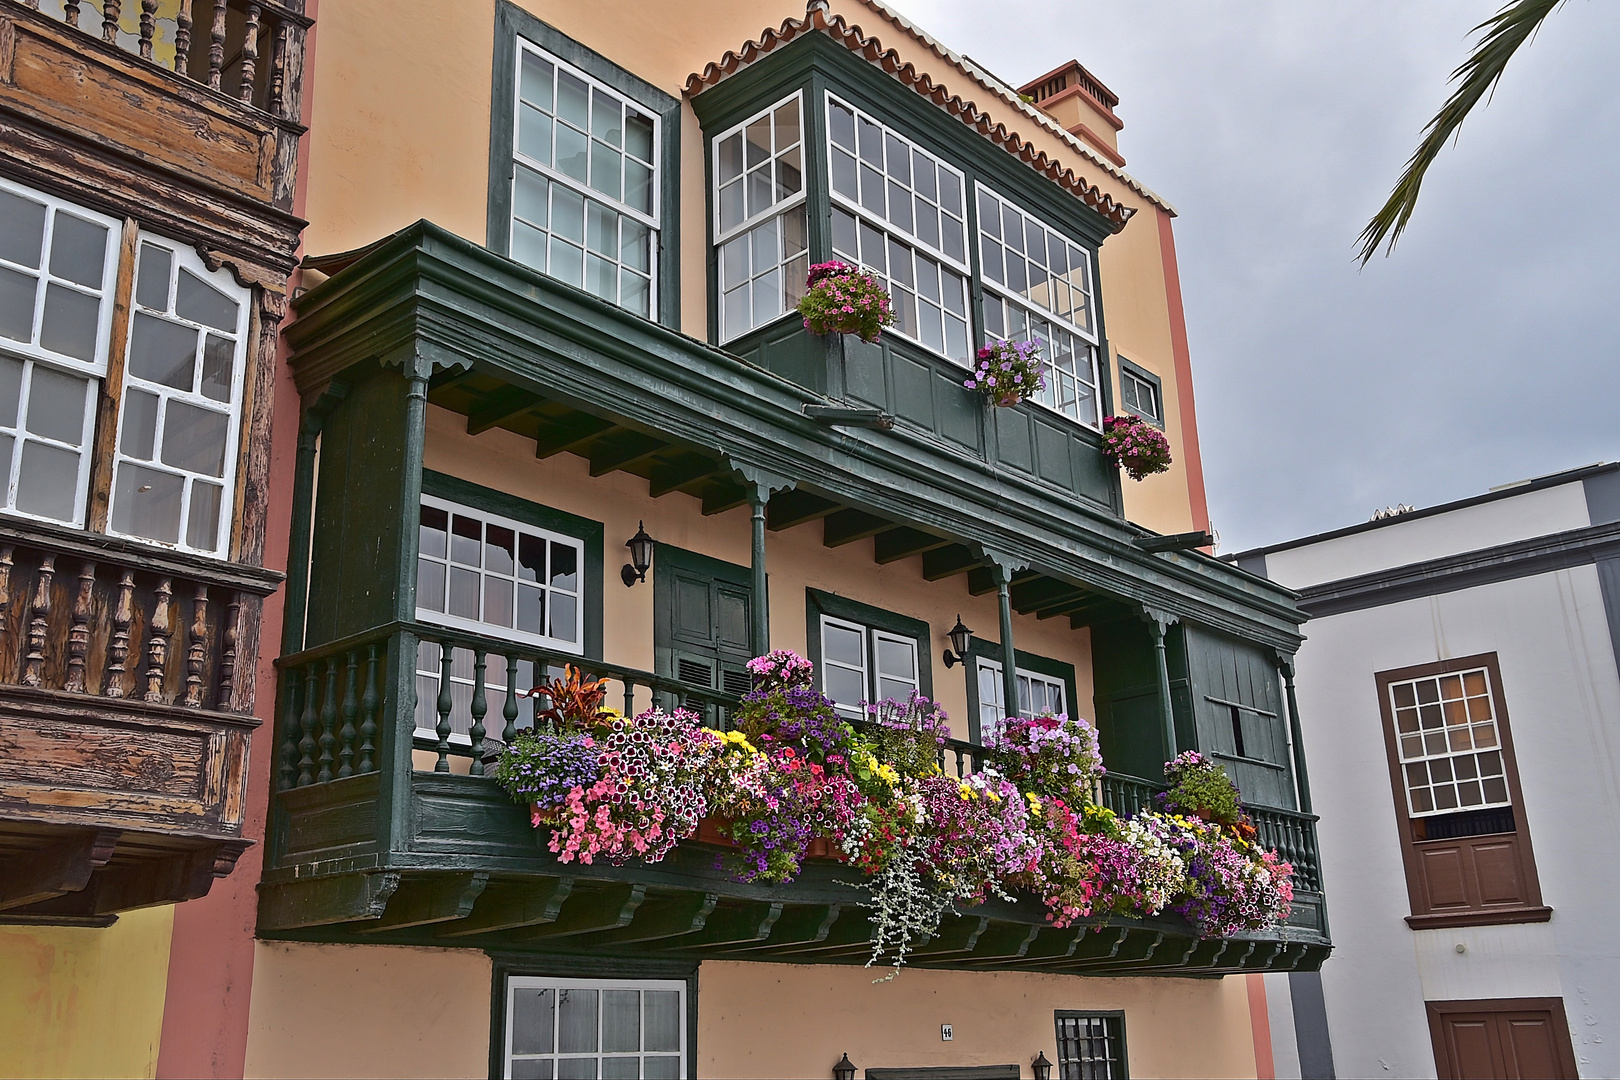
(641,552)
(1042,1067)
(844,1070)
(961,638)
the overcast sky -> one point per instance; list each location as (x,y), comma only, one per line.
(1483,351)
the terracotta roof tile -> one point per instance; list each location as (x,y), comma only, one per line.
(818,20)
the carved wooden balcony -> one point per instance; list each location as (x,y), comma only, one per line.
(126,695)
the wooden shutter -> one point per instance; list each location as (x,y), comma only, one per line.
(701,620)
(1510,1039)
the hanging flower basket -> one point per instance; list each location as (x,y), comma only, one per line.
(841,298)
(1008,372)
(1135,445)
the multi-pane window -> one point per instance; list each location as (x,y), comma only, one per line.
(57,266)
(862,663)
(1038,287)
(562,1028)
(1140,395)
(1091,1046)
(1449,744)
(177,431)
(898,211)
(584,183)
(760,218)
(1038,695)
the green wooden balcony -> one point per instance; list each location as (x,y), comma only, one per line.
(384,829)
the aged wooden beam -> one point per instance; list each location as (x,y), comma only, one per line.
(949,561)
(420,901)
(955,936)
(1027,596)
(797,926)
(586,913)
(659,919)
(892,545)
(570,433)
(789,508)
(850,932)
(982,579)
(678,474)
(510,905)
(741,925)
(293,905)
(1004,942)
(1083,601)
(624,452)
(719,498)
(64,867)
(847,526)
(509,404)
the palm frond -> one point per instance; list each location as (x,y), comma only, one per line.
(1475,79)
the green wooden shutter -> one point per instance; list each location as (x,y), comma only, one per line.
(1237,710)
(701,609)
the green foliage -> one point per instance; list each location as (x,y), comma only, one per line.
(1200,788)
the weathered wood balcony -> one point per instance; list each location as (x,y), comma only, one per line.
(126,694)
(383,832)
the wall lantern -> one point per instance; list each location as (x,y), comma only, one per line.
(844,1070)
(641,552)
(961,638)
(1042,1067)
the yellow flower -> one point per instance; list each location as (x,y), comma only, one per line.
(967,791)
(1034,803)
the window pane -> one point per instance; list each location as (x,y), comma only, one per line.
(17,293)
(218,367)
(621,1068)
(70,323)
(843,685)
(48,481)
(434,531)
(638,135)
(463,593)
(532,1020)
(607,118)
(202,522)
(757,142)
(564,567)
(78,250)
(429,585)
(11,374)
(497,601)
(564,617)
(731,157)
(162,352)
(573,100)
(534,134)
(573,152)
(567,262)
(466,538)
(22,230)
(7,445)
(662,1068)
(638,191)
(897,659)
(607,169)
(146,503)
(529,195)
(152,280)
(841,644)
(194,438)
(577,1068)
(602,278)
(56,405)
(621,1021)
(140,424)
(531,609)
(200,302)
(535,85)
(576,1021)
(663,1020)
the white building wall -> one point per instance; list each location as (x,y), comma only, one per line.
(1563,701)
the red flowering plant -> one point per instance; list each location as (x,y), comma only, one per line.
(1135,445)
(1008,372)
(841,298)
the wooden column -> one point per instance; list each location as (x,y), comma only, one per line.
(1302,783)
(759,619)
(1009,653)
(1159,623)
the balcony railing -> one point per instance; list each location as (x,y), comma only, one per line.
(245,50)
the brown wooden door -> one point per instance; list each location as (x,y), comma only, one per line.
(1501,1040)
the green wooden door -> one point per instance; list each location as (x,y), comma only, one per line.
(701,610)
(1235,699)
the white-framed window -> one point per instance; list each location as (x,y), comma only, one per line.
(585,200)
(759,217)
(58,263)
(1037,286)
(1140,395)
(898,211)
(862,663)
(491,575)
(594,1028)
(1450,745)
(175,467)
(1038,695)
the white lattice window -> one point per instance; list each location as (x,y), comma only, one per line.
(58,263)
(898,211)
(1038,695)
(1449,743)
(759,217)
(175,468)
(1037,287)
(584,182)
(558,1028)
(862,663)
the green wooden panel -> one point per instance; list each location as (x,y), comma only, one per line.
(913,390)
(1125,681)
(863,373)
(958,411)
(1233,686)
(1013,442)
(701,618)
(1094,477)
(1052,453)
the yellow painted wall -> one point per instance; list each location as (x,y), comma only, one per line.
(368,1010)
(81,1002)
(795,559)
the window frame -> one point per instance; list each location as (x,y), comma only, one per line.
(185,258)
(509,979)
(982,664)
(934,251)
(1044,667)
(874,621)
(513,27)
(1108,1016)
(1129,369)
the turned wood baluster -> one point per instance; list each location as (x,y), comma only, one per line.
(182,37)
(275,99)
(509,711)
(6,553)
(328,722)
(197,648)
(148,27)
(79,630)
(34,664)
(350,707)
(118,646)
(226,697)
(250,53)
(368,712)
(443,705)
(216,48)
(307,721)
(109,21)
(480,708)
(289,732)
(157,645)
(70,12)
(629,698)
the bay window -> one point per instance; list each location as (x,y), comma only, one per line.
(759,218)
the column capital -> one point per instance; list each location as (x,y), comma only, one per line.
(760,481)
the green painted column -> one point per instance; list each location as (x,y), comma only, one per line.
(1009,653)
(1296,735)
(1159,624)
(759,615)
(303,512)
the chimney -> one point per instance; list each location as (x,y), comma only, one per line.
(1078,100)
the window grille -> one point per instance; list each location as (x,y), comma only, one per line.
(1091,1046)
(1449,744)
